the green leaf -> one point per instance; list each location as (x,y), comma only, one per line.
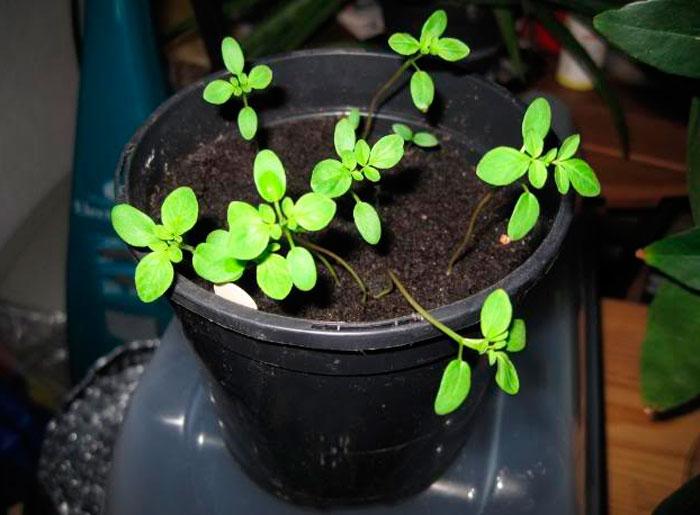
(537,173)
(134,227)
(213,262)
(371,173)
(354,118)
(670,363)
(502,166)
(274,277)
(232,55)
(533,144)
(538,119)
(267,213)
(496,314)
(582,177)
(403,130)
(451,49)
(330,178)
(506,375)
(662,33)
(218,92)
(561,178)
(524,217)
(249,232)
(270,179)
(569,147)
(302,268)
(260,77)
(367,222)
(362,152)
(454,387)
(404,44)
(247,122)
(550,156)
(314,211)
(348,159)
(693,158)
(357,175)
(677,256)
(434,26)
(422,90)
(154,275)
(180,210)
(516,336)
(174,254)
(386,152)
(344,137)
(425,140)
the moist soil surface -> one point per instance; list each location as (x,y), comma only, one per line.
(424,203)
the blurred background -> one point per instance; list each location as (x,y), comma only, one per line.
(80,76)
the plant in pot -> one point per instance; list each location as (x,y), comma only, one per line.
(325,396)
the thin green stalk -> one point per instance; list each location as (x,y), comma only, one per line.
(375,102)
(457,254)
(186,247)
(341,262)
(328,265)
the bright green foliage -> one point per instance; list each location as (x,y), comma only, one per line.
(420,139)
(454,387)
(274,276)
(213,261)
(302,268)
(238,85)
(502,166)
(677,256)
(333,178)
(430,43)
(154,273)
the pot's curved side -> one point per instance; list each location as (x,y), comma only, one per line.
(334,413)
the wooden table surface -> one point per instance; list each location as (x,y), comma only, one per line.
(647,459)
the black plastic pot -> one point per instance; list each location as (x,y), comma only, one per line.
(334,413)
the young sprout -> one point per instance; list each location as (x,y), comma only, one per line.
(239,85)
(334,178)
(430,43)
(420,139)
(257,235)
(500,335)
(178,214)
(503,166)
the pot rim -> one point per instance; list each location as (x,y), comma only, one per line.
(339,336)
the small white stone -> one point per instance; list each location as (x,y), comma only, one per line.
(236,294)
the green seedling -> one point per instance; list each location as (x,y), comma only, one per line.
(421,86)
(358,161)
(256,235)
(503,166)
(500,335)
(420,139)
(178,214)
(238,85)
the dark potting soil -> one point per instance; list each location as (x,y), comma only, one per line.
(424,204)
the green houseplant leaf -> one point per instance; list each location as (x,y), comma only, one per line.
(232,55)
(451,49)
(367,222)
(561,178)
(212,260)
(425,140)
(314,211)
(524,217)
(434,26)
(330,178)
(270,179)
(506,375)
(154,275)
(180,210)
(386,152)
(537,173)
(537,119)
(677,256)
(249,232)
(344,137)
(247,122)
(454,387)
(569,147)
(302,268)
(582,177)
(496,314)
(516,336)
(501,166)
(134,227)
(274,277)
(260,76)
(662,33)
(404,44)
(403,130)
(362,152)
(218,92)
(670,363)
(422,90)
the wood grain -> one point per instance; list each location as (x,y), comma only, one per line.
(647,459)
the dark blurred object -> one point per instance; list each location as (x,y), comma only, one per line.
(212,28)
(684,501)
(77,451)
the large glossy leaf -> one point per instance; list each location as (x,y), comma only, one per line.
(677,256)
(454,387)
(662,33)
(568,41)
(671,349)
